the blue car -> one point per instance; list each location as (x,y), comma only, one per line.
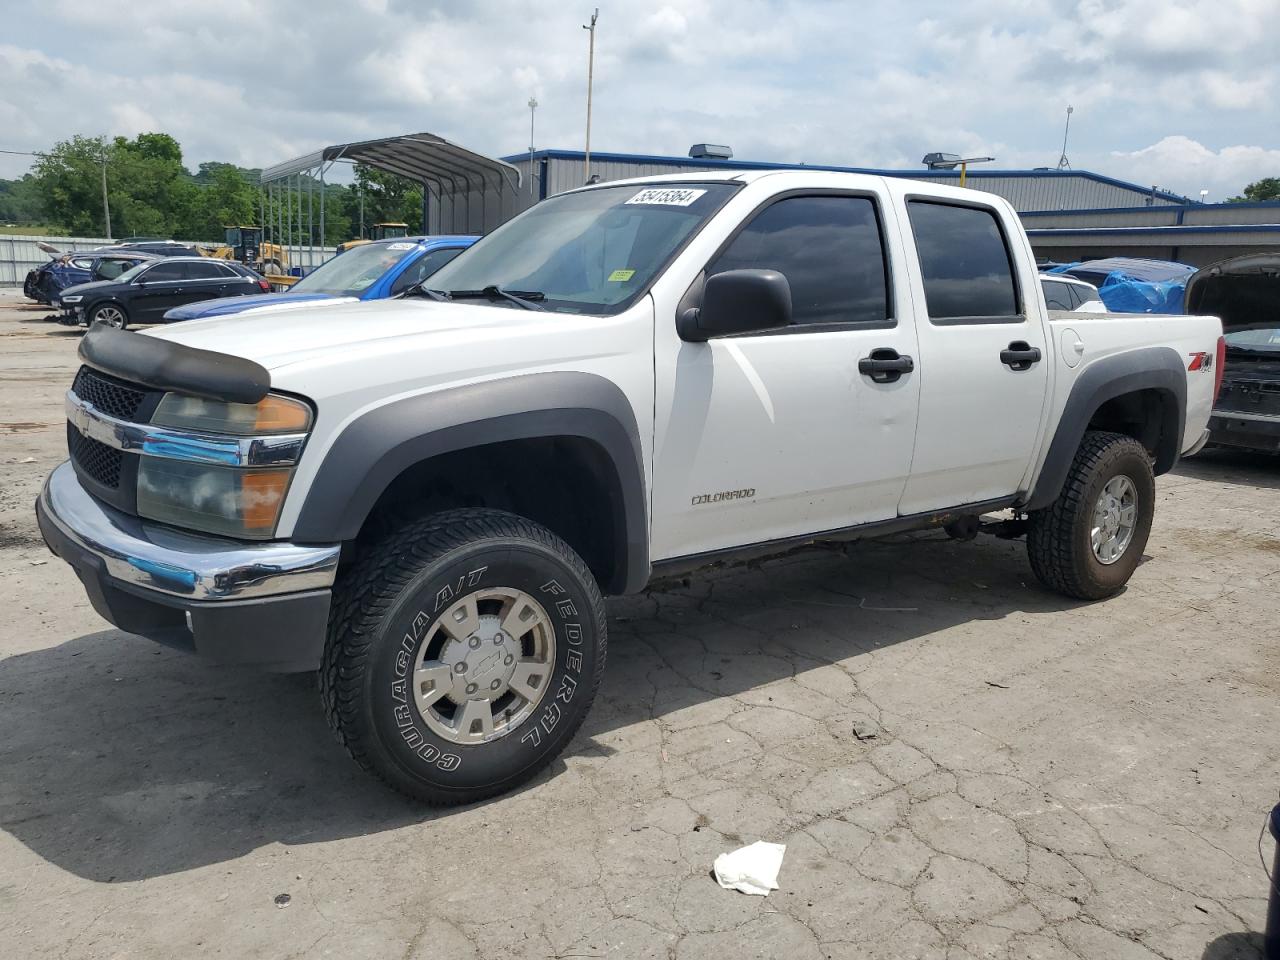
(371,271)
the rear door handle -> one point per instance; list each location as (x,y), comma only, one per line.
(885,365)
(1020,355)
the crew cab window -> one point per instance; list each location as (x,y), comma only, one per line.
(427,265)
(163,272)
(205,271)
(965,262)
(830,250)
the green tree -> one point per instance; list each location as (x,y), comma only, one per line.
(20,202)
(1268,188)
(389,198)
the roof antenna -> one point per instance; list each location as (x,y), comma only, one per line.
(1063,162)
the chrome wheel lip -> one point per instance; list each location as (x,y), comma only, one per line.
(477,659)
(1115,518)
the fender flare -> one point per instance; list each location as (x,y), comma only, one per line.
(1148,368)
(392,438)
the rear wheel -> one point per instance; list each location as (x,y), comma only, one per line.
(464,651)
(1088,542)
(109,315)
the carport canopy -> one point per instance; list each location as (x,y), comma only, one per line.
(443,168)
(424,157)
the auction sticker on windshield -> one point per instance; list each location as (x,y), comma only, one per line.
(667,196)
(400,246)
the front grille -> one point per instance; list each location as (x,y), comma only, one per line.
(113,397)
(98,461)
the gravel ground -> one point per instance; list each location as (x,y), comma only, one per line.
(961,764)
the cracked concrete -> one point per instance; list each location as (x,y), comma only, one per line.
(961,764)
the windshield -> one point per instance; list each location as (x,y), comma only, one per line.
(592,251)
(351,273)
(1260,341)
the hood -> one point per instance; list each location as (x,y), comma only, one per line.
(1243,291)
(228,305)
(346,331)
(83,288)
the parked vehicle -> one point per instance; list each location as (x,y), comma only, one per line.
(1133,284)
(1071,295)
(143,294)
(44,283)
(1245,292)
(378,231)
(374,271)
(425,500)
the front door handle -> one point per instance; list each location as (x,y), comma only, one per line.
(885,365)
(1020,355)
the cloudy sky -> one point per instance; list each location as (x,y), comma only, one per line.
(1184,94)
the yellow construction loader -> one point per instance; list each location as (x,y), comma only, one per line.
(379,231)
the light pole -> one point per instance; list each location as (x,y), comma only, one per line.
(1063,162)
(591,62)
(106,207)
(533,106)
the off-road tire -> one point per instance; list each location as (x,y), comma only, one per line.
(396,585)
(99,308)
(1058,538)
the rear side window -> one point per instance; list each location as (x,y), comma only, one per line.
(205,271)
(965,262)
(1084,294)
(830,250)
(1057,295)
(164,271)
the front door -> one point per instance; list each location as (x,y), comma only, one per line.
(768,436)
(161,287)
(983,358)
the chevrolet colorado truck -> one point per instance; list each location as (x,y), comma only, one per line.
(426,499)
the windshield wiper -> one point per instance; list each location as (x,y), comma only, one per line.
(419,288)
(521,298)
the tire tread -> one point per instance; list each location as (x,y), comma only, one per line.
(366,594)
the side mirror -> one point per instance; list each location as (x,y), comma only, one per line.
(738,301)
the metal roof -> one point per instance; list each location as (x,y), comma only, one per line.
(921,174)
(424,157)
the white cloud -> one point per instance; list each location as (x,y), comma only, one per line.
(867,84)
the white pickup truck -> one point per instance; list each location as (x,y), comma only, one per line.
(426,499)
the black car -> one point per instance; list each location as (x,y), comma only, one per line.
(143,294)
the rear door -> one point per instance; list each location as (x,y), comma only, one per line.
(983,359)
(207,280)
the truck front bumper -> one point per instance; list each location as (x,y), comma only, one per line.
(264,604)
(1245,430)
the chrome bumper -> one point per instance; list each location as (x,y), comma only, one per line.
(139,554)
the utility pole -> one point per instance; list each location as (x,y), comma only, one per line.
(533,105)
(1063,162)
(591,63)
(106,207)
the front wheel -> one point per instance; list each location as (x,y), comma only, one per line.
(464,651)
(1088,542)
(109,315)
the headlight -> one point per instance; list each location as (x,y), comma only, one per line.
(74,298)
(223,500)
(235,501)
(273,414)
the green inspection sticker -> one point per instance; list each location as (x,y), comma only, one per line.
(621,276)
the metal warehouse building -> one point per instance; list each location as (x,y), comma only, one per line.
(555,171)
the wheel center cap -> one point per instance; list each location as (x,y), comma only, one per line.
(481,665)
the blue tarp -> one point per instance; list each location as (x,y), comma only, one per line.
(1131,285)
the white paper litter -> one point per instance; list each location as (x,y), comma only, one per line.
(751,869)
